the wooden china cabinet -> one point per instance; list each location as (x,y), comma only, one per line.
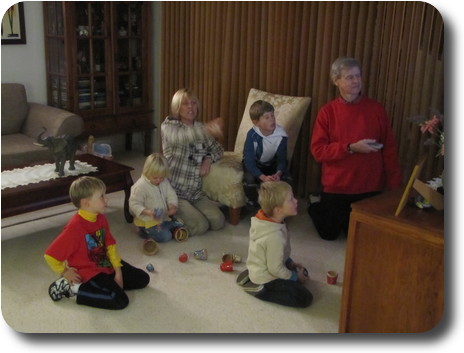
(99,65)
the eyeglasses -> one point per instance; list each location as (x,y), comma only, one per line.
(352,77)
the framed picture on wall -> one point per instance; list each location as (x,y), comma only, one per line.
(13,26)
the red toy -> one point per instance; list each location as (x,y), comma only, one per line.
(183,257)
(227,266)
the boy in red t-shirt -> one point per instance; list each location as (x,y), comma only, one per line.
(85,254)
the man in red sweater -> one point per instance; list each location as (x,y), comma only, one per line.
(353,140)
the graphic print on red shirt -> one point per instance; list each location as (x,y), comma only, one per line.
(96,249)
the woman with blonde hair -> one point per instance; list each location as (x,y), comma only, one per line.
(190,151)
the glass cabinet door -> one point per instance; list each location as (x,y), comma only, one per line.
(57,70)
(128,54)
(92,42)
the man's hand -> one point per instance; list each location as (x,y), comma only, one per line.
(363,146)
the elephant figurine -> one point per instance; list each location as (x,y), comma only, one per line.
(63,147)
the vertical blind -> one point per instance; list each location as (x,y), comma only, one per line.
(222,49)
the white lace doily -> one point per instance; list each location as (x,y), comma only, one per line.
(44,172)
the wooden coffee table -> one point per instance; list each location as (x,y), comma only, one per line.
(32,197)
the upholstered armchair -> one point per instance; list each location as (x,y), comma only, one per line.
(224,183)
(23,121)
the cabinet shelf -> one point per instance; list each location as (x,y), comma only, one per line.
(95,71)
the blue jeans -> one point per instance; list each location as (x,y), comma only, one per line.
(160,233)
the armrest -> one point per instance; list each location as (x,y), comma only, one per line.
(224,183)
(56,121)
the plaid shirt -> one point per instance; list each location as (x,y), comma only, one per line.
(185,147)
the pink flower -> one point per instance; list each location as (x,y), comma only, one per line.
(430,125)
(435,127)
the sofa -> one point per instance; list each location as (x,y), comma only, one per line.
(23,121)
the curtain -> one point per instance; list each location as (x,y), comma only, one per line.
(222,49)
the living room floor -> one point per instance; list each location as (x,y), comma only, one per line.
(191,297)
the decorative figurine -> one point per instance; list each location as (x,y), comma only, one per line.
(63,148)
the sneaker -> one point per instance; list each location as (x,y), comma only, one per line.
(314,198)
(59,289)
(252,288)
(252,203)
(243,278)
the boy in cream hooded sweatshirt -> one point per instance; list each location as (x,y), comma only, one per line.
(271,274)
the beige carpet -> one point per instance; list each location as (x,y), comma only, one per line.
(191,297)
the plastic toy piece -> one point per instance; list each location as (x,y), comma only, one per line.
(180,234)
(227,266)
(201,254)
(232,257)
(150,247)
(183,257)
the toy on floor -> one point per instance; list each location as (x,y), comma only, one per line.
(150,247)
(227,266)
(332,277)
(201,254)
(231,257)
(183,257)
(180,234)
(150,268)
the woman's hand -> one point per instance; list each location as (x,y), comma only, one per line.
(205,166)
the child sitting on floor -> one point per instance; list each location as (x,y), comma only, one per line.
(85,254)
(271,274)
(153,201)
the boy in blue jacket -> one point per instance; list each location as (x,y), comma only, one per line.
(265,151)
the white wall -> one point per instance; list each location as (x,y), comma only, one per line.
(25,63)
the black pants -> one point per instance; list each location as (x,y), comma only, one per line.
(251,184)
(332,214)
(286,292)
(101,291)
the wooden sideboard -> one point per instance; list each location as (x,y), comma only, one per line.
(394,268)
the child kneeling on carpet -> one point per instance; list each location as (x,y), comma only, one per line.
(153,201)
(271,274)
(85,254)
